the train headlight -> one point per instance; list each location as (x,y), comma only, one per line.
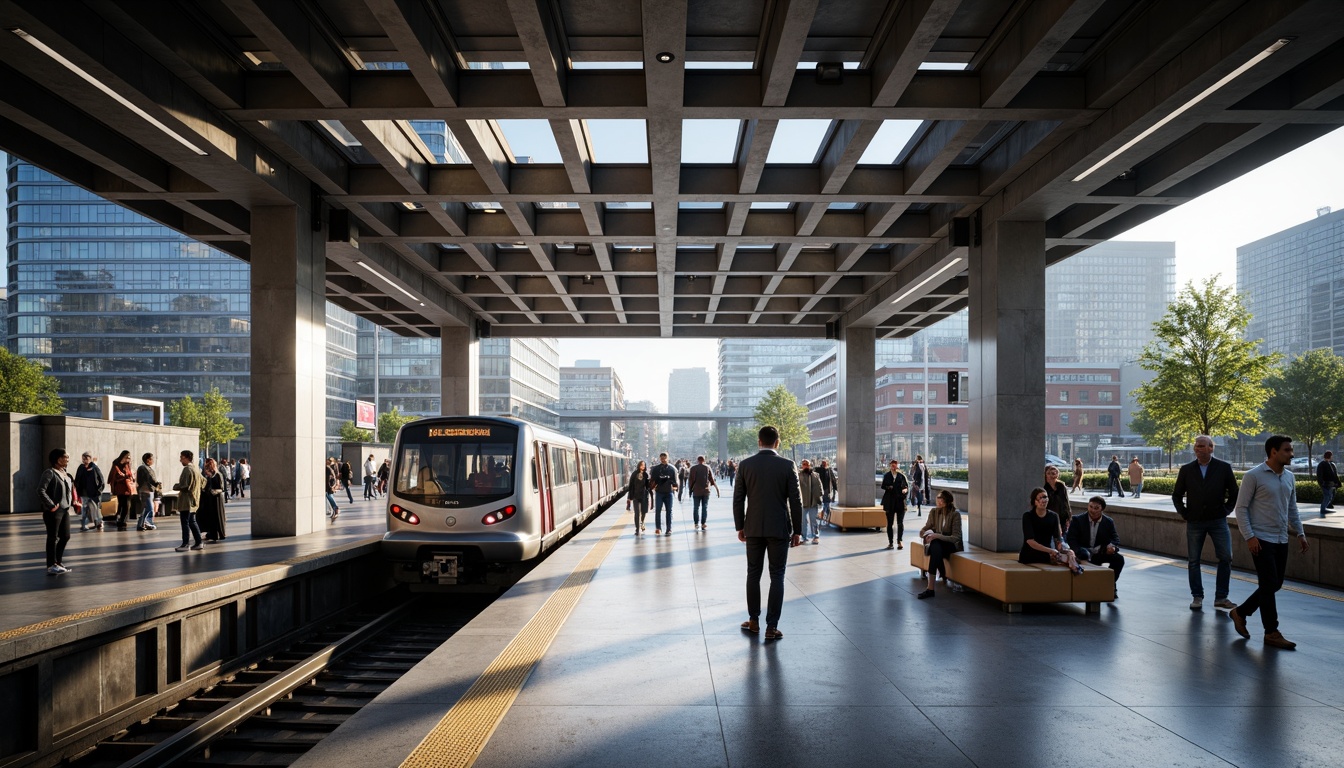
(500,515)
(404,515)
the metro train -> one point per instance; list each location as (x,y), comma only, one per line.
(470,498)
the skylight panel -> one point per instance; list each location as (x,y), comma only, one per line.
(797,141)
(709,141)
(531,139)
(890,140)
(619,141)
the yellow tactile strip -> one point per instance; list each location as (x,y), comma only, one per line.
(464,731)
(1239,577)
(102,610)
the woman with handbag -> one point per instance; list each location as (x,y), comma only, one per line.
(211,514)
(637,494)
(121,479)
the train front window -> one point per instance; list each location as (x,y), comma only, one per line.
(436,463)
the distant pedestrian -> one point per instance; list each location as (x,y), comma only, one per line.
(768,515)
(637,494)
(1135,477)
(664,477)
(332,482)
(894,490)
(246,481)
(89,482)
(56,495)
(188,487)
(1059,497)
(121,478)
(1205,494)
(225,470)
(1113,478)
(732,472)
(235,479)
(942,537)
(1077,476)
(810,490)
(384,475)
(701,480)
(1328,478)
(151,491)
(347,476)
(1266,515)
(829,485)
(370,478)
(917,472)
(683,476)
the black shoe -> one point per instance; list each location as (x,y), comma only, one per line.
(924,594)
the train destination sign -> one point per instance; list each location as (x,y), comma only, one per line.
(459,431)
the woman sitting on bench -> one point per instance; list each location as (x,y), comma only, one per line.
(942,537)
(1044,537)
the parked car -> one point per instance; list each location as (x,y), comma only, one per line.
(1053,460)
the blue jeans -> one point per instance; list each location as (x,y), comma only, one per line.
(699,509)
(1137,490)
(92,512)
(810,528)
(146,510)
(1327,496)
(825,504)
(331,502)
(1195,531)
(190,528)
(659,499)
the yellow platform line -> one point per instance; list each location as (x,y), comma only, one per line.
(103,610)
(1239,577)
(463,732)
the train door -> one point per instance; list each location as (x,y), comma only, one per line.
(583,480)
(547,505)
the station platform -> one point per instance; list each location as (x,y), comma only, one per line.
(114,567)
(623,650)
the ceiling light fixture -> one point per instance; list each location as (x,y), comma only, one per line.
(388,280)
(91,80)
(925,281)
(1202,95)
(665,57)
(830,72)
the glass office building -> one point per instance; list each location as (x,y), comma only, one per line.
(521,378)
(1293,284)
(748,368)
(1101,303)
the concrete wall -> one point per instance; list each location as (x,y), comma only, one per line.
(358,453)
(25,440)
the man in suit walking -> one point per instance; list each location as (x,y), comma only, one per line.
(768,514)
(1328,478)
(1205,494)
(1093,537)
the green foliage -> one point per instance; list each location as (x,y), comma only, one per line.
(964,475)
(210,415)
(741,441)
(1308,398)
(352,434)
(389,423)
(1209,380)
(780,409)
(25,386)
(1165,432)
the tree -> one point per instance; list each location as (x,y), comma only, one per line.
(780,409)
(1163,432)
(389,423)
(352,434)
(1308,398)
(26,387)
(1207,376)
(210,415)
(741,441)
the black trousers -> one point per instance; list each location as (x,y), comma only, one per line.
(757,549)
(1116,561)
(1270,566)
(58,533)
(896,519)
(939,551)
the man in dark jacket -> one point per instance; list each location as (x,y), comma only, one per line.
(1092,536)
(1113,475)
(1206,492)
(701,479)
(664,477)
(1328,478)
(89,482)
(829,485)
(768,514)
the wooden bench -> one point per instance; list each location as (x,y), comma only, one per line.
(846,518)
(1000,576)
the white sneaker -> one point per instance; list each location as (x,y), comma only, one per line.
(1196,603)
(55,570)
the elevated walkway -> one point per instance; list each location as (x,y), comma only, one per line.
(622,650)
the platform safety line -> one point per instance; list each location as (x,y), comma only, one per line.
(11,634)
(459,738)
(1240,577)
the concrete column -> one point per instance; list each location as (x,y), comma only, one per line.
(1007,380)
(604,433)
(289,363)
(459,371)
(722,428)
(856,445)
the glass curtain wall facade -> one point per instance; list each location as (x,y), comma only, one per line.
(748,368)
(399,372)
(341,374)
(687,392)
(1293,283)
(1101,303)
(521,378)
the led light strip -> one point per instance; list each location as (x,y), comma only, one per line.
(91,80)
(388,280)
(925,281)
(1204,94)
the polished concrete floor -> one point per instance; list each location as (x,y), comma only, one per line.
(651,669)
(111,565)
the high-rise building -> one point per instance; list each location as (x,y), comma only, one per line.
(521,378)
(589,386)
(342,369)
(748,368)
(399,372)
(1101,303)
(1293,283)
(644,437)
(687,392)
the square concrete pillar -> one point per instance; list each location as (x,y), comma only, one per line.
(289,364)
(459,371)
(856,444)
(1007,380)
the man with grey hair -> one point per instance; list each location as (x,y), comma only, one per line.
(1205,494)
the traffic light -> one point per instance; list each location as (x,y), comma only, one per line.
(954,386)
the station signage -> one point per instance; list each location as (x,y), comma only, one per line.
(459,432)
(366,415)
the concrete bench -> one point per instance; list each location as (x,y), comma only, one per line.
(1000,576)
(845,518)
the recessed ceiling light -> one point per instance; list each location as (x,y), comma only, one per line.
(665,56)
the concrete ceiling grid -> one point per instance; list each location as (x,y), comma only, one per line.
(1050,89)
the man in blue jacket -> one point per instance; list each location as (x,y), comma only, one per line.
(664,477)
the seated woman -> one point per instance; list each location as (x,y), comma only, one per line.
(942,537)
(1044,538)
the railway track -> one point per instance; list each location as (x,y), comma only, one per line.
(274,711)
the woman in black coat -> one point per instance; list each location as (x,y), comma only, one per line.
(211,514)
(1058,497)
(895,488)
(637,494)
